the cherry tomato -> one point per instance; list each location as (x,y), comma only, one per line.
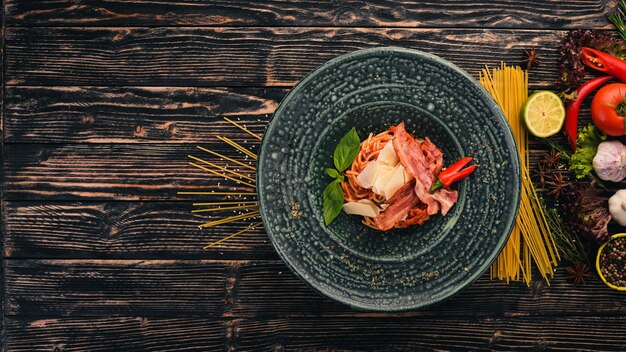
(608,109)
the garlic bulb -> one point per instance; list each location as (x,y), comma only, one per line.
(617,206)
(610,161)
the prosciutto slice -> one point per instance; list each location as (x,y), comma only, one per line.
(423,161)
(446,199)
(433,156)
(399,206)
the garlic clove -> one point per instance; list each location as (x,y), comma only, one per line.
(617,207)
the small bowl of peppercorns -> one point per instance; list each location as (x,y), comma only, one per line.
(611,262)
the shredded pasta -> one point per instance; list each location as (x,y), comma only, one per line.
(530,239)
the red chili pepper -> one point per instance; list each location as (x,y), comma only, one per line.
(453,174)
(604,62)
(571,118)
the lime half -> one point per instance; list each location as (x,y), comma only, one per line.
(543,113)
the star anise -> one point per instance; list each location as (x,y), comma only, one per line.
(552,159)
(540,173)
(531,58)
(557,185)
(577,273)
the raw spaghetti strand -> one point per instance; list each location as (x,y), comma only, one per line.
(530,239)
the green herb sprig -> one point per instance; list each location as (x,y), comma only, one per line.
(567,157)
(571,247)
(581,162)
(345,153)
(618,18)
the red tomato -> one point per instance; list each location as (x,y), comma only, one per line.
(608,109)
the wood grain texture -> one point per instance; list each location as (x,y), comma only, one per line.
(240,56)
(112,334)
(2,218)
(148,114)
(124,230)
(269,289)
(127,171)
(109,287)
(166,230)
(115,171)
(128,230)
(133,114)
(386,13)
(100,254)
(256,288)
(314,334)
(351,333)
(308,334)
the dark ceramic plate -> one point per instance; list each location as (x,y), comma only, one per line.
(371,90)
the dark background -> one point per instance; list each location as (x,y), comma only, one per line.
(103,100)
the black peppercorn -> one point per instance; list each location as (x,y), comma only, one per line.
(613,262)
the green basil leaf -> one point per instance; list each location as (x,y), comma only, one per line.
(333,173)
(333,201)
(346,150)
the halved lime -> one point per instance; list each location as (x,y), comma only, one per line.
(543,113)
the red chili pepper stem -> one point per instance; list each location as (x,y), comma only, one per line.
(438,184)
(453,174)
(573,108)
(604,62)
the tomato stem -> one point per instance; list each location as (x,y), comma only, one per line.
(621,107)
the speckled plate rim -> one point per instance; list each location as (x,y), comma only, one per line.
(503,124)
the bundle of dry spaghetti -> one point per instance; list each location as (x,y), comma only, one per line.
(530,239)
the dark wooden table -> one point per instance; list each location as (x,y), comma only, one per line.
(104,99)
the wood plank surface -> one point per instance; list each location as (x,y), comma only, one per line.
(113,334)
(123,230)
(2,218)
(568,334)
(240,56)
(104,99)
(115,171)
(256,288)
(133,114)
(126,171)
(385,13)
(549,333)
(33,334)
(116,287)
(268,289)
(148,114)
